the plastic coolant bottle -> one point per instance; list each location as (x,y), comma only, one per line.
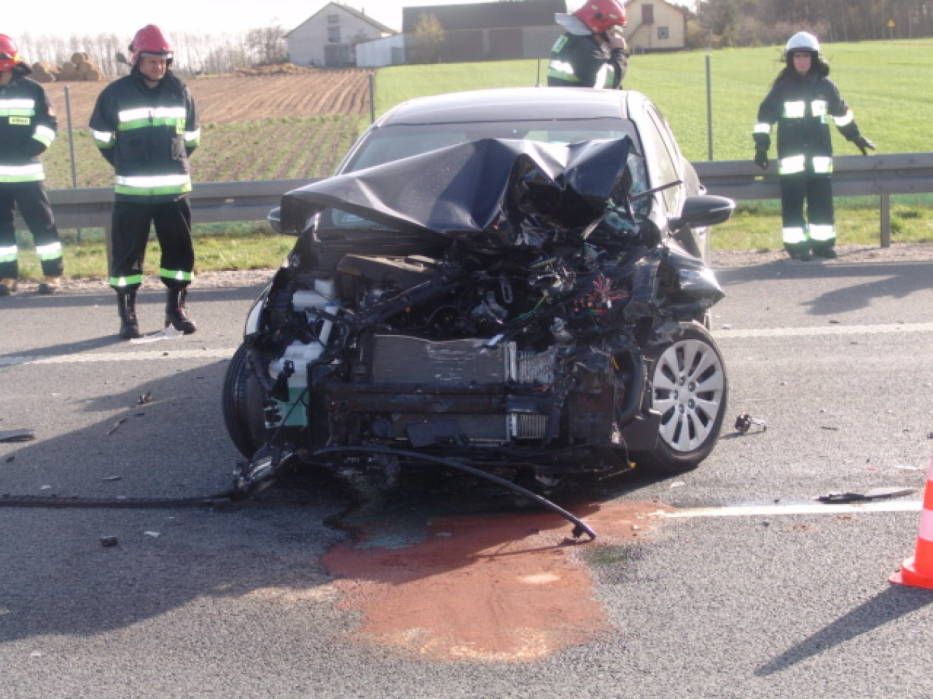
(294,413)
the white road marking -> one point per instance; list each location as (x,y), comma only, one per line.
(881,329)
(129,356)
(793,509)
(133,355)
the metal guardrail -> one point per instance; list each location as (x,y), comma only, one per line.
(212,202)
(853,175)
(217,202)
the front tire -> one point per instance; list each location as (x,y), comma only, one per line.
(242,405)
(689,387)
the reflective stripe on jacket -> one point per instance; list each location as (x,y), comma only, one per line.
(803,108)
(147,135)
(582,61)
(27,127)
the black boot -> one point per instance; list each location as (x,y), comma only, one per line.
(824,251)
(798,252)
(176,311)
(126,304)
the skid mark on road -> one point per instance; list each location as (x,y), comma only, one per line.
(495,588)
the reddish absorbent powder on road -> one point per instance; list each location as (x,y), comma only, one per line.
(493,588)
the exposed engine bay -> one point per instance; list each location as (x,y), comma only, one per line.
(507,306)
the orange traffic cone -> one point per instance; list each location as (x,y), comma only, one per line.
(918,571)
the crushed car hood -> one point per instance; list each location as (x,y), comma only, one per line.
(501,191)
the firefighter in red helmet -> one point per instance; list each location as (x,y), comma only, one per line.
(592,51)
(146,125)
(27,128)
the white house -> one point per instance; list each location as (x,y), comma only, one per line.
(655,25)
(476,31)
(328,37)
(388,51)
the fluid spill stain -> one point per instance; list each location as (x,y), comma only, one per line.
(491,588)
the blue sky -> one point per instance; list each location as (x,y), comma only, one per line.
(68,17)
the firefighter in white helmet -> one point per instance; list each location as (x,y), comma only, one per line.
(803,101)
(27,128)
(146,125)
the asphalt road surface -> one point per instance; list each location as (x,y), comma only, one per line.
(727,581)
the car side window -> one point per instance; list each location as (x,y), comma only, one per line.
(664,158)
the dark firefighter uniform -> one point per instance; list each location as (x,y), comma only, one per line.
(803,106)
(27,128)
(147,135)
(581,60)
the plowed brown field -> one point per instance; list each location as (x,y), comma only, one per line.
(232,98)
(261,127)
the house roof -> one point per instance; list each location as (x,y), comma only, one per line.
(350,11)
(680,8)
(486,15)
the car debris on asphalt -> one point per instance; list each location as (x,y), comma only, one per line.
(744,422)
(116,426)
(17,436)
(841,498)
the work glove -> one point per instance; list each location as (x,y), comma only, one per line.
(761,158)
(864,145)
(616,40)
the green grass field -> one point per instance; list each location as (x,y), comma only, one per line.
(885,82)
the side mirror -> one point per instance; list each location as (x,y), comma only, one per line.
(274,217)
(703,210)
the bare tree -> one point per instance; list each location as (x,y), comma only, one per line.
(267,44)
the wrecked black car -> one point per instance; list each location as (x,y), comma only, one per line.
(512,279)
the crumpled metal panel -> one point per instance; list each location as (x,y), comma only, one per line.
(491,192)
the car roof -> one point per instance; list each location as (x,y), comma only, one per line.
(508,104)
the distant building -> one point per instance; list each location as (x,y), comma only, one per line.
(485,31)
(655,25)
(328,37)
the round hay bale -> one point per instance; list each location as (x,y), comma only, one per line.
(69,71)
(89,72)
(79,58)
(42,73)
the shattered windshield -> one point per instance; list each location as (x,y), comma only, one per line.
(399,141)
